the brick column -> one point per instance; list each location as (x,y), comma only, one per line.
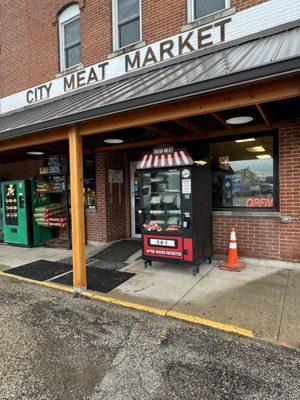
(289,180)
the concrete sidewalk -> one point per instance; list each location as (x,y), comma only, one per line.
(265,300)
(262,299)
(14,256)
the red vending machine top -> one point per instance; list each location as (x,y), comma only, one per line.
(175,208)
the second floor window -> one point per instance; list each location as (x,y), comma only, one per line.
(69,36)
(127,19)
(202,8)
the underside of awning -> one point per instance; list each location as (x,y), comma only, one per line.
(269,54)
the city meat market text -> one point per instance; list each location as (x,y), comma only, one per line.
(194,40)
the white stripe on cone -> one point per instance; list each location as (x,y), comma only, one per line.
(232,235)
(232,246)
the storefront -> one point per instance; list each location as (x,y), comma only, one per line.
(234,107)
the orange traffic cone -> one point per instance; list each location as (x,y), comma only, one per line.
(232,263)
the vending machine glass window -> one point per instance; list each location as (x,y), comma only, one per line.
(11,206)
(162,199)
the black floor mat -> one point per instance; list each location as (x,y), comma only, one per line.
(40,270)
(119,251)
(98,279)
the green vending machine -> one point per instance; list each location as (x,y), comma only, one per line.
(19,201)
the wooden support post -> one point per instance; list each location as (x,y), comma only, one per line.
(77,210)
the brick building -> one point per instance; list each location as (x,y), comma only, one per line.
(151,72)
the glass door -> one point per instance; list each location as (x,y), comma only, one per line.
(135,201)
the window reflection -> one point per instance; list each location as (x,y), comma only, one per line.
(243,172)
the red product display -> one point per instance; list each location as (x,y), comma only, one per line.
(175,208)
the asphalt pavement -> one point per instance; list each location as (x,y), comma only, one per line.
(56,347)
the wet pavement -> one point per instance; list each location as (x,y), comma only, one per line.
(54,346)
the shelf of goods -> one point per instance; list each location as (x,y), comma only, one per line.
(54,212)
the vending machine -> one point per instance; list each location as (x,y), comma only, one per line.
(176,208)
(18,202)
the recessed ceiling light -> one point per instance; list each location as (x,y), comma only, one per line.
(113,141)
(256,149)
(201,162)
(245,140)
(239,120)
(35,153)
(264,156)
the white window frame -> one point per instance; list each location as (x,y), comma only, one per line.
(68,15)
(115,26)
(191,10)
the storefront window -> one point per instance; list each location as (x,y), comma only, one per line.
(243,173)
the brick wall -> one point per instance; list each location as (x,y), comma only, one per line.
(29,48)
(257,237)
(243,4)
(21,170)
(289,153)
(111,219)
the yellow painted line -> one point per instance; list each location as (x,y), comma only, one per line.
(54,285)
(174,314)
(213,324)
(41,283)
(153,310)
(113,300)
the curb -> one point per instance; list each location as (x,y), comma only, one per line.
(153,310)
(41,283)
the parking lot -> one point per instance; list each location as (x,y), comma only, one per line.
(54,346)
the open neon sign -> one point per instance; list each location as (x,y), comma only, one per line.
(259,202)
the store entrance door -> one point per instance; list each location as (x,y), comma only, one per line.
(135,201)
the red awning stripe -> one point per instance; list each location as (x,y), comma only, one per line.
(179,158)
